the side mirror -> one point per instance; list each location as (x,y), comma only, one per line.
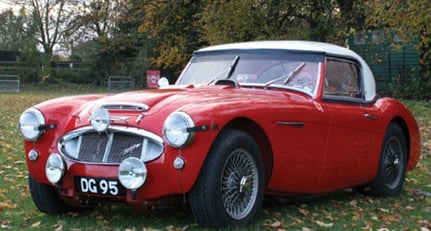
(163,82)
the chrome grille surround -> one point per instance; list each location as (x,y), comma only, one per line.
(111,147)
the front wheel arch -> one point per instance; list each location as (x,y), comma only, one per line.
(259,135)
(46,198)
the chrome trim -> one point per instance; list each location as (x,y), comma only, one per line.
(108,147)
(190,133)
(146,136)
(126,106)
(277,86)
(291,124)
(371,116)
(40,120)
(120,118)
(140,117)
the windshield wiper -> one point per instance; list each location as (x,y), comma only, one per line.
(232,67)
(285,77)
(229,71)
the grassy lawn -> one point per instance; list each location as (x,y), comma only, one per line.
(345,210)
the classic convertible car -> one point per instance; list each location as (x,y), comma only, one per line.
(242,121)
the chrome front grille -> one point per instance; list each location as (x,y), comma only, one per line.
(111,147)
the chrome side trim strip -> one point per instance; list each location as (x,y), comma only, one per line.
(291,124)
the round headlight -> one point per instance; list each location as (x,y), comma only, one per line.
(132,173)
(54,168)
(100,119)
(175,129)
(29,124)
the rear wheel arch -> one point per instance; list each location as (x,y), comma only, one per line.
(403,125)
(392,164)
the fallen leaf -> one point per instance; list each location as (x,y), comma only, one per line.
(383,210)
(275,224)
(353,203)
(409,208)
(303,211)
(357,215)
(59,228)
(36,225)
(325,225)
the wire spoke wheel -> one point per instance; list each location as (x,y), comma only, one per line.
(230,188)
(393,162)
(239,184)
(392,167)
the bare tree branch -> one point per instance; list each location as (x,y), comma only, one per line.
(52,18)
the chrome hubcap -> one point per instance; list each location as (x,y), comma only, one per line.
(239,184)
(245,183)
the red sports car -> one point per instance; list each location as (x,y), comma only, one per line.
(243,120)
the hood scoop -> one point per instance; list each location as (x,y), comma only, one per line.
(120,106)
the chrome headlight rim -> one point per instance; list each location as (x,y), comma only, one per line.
(54,168)
(29,124)
(176,129)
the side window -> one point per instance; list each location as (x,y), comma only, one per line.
(342,79)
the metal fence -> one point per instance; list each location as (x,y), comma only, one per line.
(389,64)
(9,83)
(120,83)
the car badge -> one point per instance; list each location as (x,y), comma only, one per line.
(131,149)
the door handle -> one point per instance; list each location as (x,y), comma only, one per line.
(370,116)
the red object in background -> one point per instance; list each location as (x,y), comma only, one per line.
(153,77)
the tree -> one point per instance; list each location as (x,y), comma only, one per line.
(53,20)
(169,28)
(319,20)
(111,27)
(411,21)
(12,38)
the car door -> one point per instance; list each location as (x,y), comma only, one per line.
(352,137)
(298,133)
(299,136)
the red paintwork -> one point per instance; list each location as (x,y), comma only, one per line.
(336,148)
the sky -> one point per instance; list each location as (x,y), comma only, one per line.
(4,6)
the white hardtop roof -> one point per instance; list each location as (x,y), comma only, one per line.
(306,46)
(293,45)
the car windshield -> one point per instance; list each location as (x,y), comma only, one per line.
(266,68)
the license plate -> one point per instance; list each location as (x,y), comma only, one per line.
(99,186)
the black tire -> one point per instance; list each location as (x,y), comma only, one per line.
(392,167)
(230,188)
(46,198)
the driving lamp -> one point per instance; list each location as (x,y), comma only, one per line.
(132,173)
(100,119)
(54,168)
